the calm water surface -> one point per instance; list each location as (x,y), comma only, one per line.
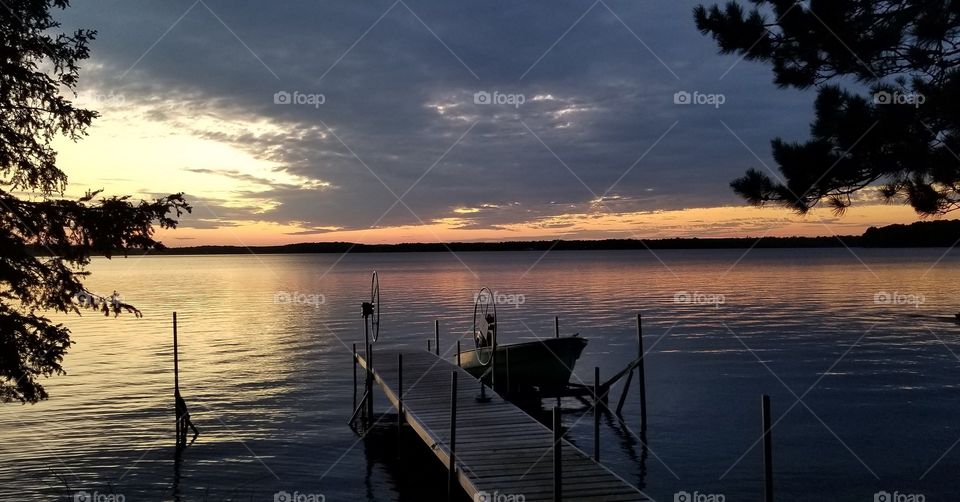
(866,394)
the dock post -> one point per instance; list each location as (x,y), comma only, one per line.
(354,376)
(596,413)
(556,334)
(176,380)
(429,348)
(767,451)
(399,392)
(436,336)
(641,373)
(557,457)
(369,382)
(458,352)
(452,467)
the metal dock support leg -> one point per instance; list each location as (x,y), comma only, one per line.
(452,467)
(557,457)
(641,373)
(399,393)
(767,450)
(596,413)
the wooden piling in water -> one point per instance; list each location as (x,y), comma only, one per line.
(436,336)
(458,353)
(767,450)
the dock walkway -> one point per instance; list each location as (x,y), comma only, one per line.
(500,449)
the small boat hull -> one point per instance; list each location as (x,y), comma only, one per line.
(544,366)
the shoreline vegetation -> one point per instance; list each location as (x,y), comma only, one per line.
(943,233)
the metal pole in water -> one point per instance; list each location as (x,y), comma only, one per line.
(641,372)
(436,336)
(767,451)
(458,352)
(176,377)
(452,466)
(556,334)
(354,376)
(399,392)
(557,457)
(596,413)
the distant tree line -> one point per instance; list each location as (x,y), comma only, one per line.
(944,233)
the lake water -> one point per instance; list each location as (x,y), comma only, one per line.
(858,351)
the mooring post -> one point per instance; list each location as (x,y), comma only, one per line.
(399,392)
(641,373)
(354,376)
(458,352)
(176,380)
(556,334)
(557,457)
(596,413)
(767,451)
(452,466)
(370,382)
(436,336)
(429,347)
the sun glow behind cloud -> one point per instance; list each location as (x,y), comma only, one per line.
(129,150)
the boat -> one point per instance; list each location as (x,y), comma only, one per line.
(542,366)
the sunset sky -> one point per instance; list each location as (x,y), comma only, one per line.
(587,143)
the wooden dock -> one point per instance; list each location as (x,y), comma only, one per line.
(500,450)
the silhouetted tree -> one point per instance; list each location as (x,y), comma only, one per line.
(47,238)
(898,130)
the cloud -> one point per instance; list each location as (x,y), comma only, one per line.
(400,116)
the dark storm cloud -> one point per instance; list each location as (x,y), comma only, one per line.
(399,119)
